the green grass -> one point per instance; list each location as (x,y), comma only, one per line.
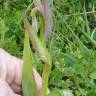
(72,43)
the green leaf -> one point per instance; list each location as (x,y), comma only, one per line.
(45,78)
(28,82)
(74,63)
(41,52)
(39,48)
(55,93)
(3,29)
(93,74)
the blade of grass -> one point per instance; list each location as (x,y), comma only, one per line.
(86,20)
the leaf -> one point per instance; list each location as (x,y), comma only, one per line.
(73,62)
(38,47)
(28,82)
(41,52)
(67,93)
(3,29)
(86,53)
(34,20)
(45,78)
(93,74)
(55,93)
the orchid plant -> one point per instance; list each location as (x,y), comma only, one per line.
(39,45)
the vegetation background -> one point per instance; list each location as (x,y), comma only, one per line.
(72,42)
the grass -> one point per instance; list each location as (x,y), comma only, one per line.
(72,43)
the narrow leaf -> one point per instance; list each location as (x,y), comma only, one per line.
(42,52)
(45,78)
(28,82)
(39,48)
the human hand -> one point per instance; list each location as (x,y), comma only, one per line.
(11,75)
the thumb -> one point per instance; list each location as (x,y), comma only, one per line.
(5,89)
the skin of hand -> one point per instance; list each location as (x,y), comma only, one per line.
(11,75)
